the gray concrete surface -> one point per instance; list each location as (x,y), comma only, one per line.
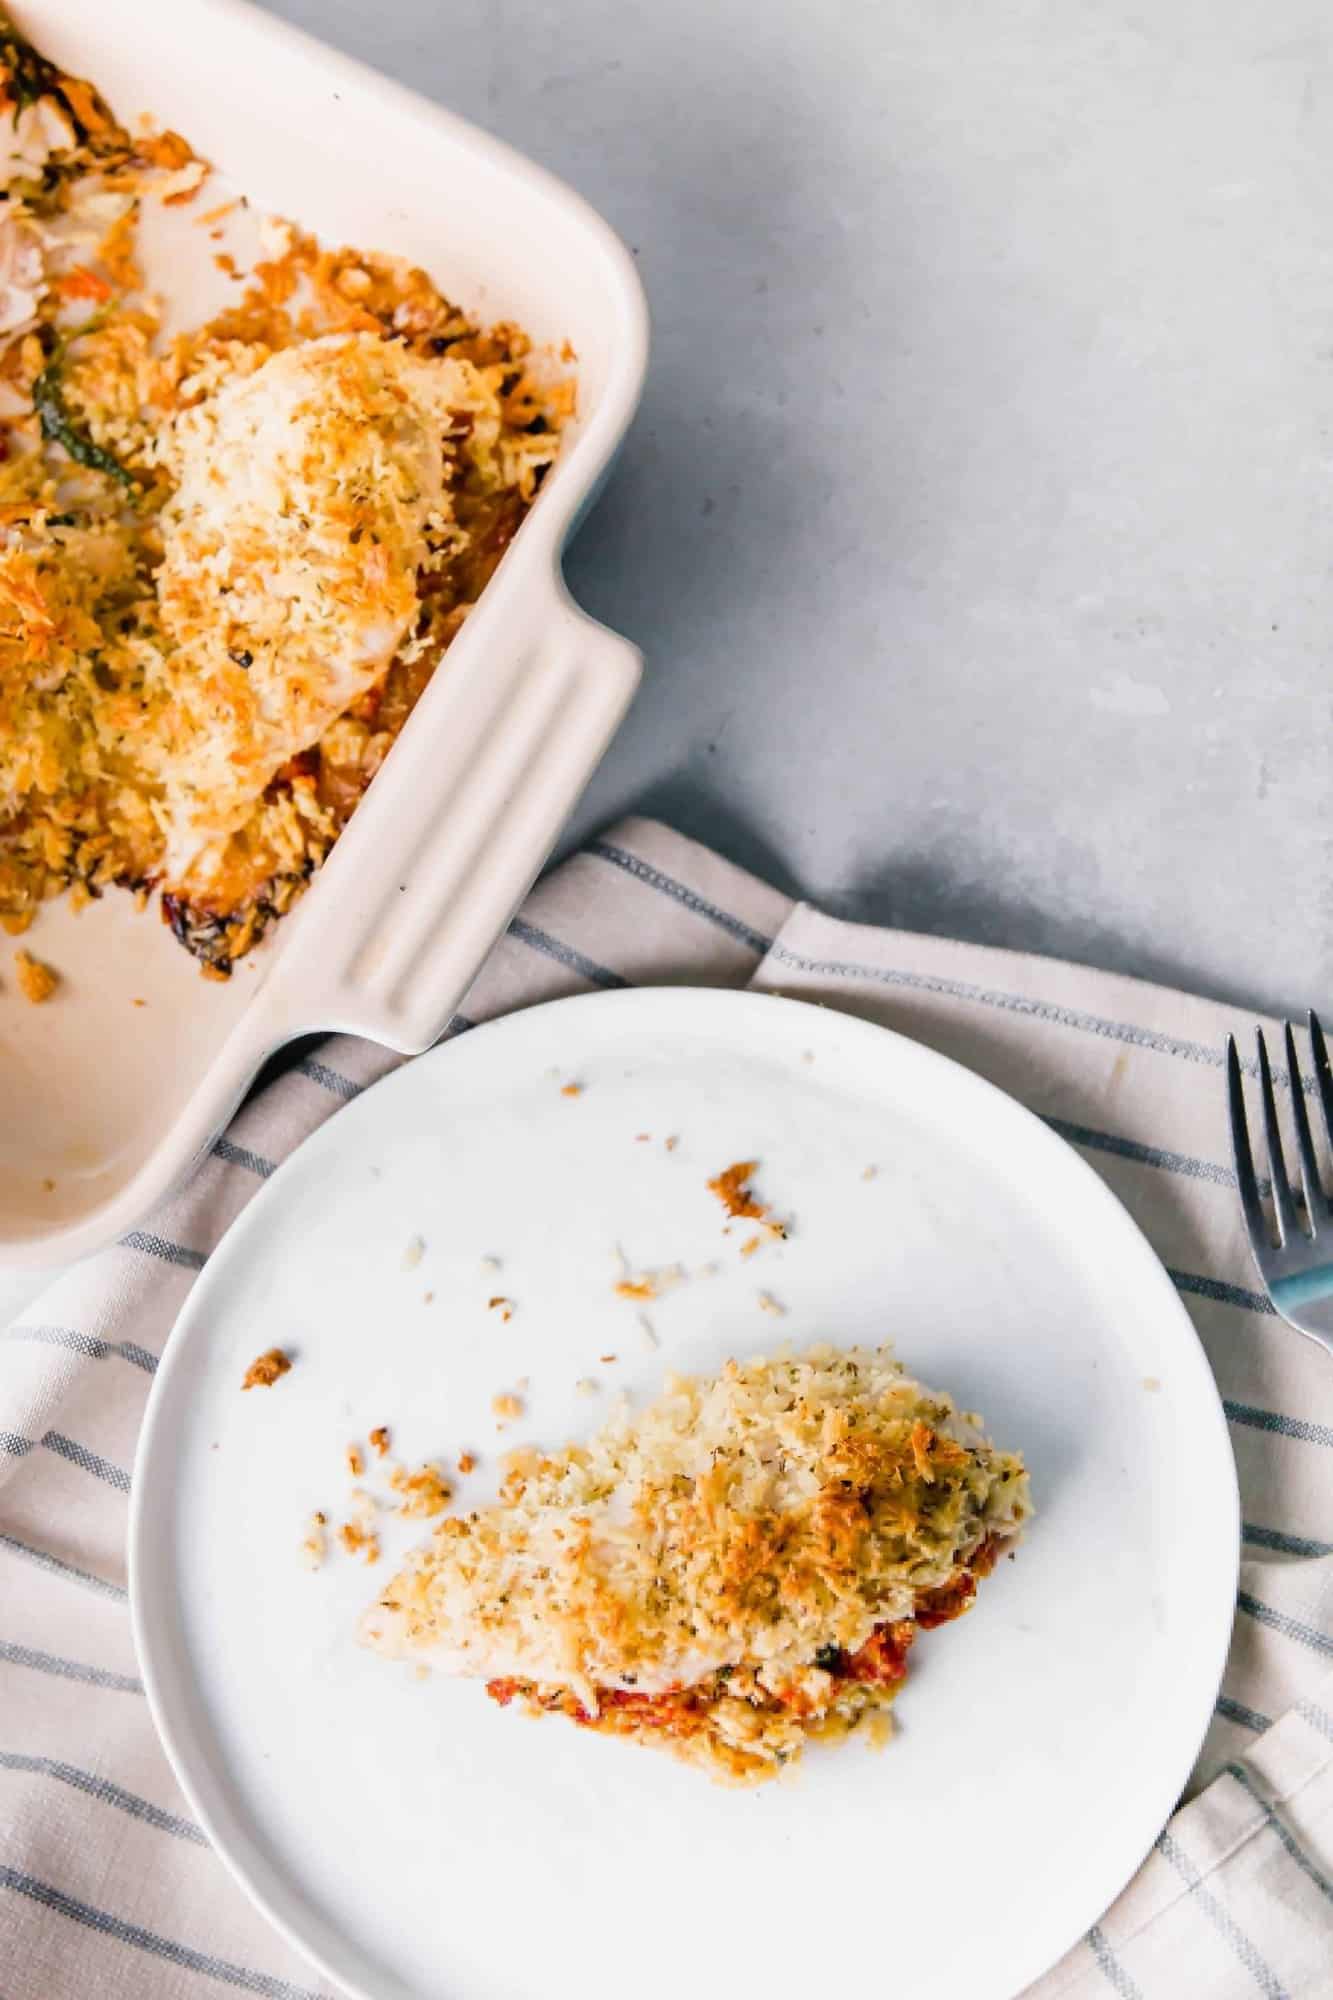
(977,524)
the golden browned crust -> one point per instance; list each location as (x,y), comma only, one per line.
(739,1567)
(91,390)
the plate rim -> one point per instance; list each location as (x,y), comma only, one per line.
(168,1703)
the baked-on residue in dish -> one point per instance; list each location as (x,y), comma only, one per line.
(739,1568)
(231,557)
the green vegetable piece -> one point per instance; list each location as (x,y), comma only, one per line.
(60,428)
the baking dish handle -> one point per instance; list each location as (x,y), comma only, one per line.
(449,839)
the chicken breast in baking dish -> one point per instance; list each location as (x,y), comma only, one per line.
(292,552)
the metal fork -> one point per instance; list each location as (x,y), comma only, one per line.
(1297,1268)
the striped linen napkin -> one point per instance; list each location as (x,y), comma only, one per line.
(106,1885)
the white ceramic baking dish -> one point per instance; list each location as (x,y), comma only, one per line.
(107,1103)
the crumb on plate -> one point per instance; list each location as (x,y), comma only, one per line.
(266,1369)
(356,1460)
(506,1405)
(355,1538)
(425,1492)
(379,1439)
(415,1251)
(648,1284)
(466,1463)
(732,1188)
(504,1306)
(314,1546)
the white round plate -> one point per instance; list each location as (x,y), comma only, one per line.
(414,1839)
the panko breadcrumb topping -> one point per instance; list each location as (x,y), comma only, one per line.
(739,1568)
(267,1369)
(233,554)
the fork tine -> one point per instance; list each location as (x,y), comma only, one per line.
(1322,1073)
(1283,1204)
(1316,1201)
(1255,1220)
